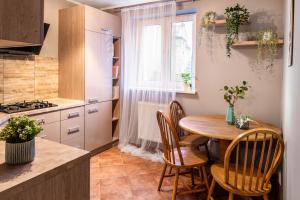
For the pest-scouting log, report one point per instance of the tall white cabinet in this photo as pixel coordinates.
(85, 67)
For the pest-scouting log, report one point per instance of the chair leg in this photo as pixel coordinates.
(266, 197)
(211, 189)
(230, 196)
(192, 177)
(170, 170)
(162, 177)
(175, 184)
(205, 177)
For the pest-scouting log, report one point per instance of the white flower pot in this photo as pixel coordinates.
(19, 153)
(187, 87)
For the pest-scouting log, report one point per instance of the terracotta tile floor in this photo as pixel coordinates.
(120, 176)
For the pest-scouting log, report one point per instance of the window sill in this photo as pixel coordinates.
(187, 92)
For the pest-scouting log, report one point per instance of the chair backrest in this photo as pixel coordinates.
(176, 113)
(169, 139)
(256, 154)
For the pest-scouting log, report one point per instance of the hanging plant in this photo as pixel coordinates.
(235, 17)
(267, 46)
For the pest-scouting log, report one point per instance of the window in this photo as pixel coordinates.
(182, 52)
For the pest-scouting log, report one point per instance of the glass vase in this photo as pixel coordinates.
(230, 118)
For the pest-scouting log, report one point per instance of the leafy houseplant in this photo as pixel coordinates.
(267, 46)
(209, 18)
(243, 122)
(235, 17)
(186, 77)
(19, 136)
(231, 95)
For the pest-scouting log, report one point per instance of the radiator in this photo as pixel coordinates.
(147, 123)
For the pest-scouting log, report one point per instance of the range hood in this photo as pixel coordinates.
(26, 50)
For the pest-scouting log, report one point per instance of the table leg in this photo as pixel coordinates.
(223, 145)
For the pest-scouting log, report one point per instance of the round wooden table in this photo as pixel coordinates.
(215, 126)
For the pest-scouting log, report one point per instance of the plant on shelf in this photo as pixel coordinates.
(267, 46)
(209, 18)
(231, 95)
(19, 136)
(235, 17)
(186, 78)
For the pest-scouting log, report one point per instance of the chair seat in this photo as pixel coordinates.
(193, 140)
(218, 173)
(191, 157)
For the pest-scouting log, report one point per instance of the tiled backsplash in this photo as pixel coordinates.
(28, 78)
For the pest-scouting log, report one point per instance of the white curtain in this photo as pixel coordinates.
(147, 84)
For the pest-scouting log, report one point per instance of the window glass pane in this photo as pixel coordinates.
(151, 52)
(182, 49)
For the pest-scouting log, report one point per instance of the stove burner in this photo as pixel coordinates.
(25, 106)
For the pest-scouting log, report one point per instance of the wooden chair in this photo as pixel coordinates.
(182, 159)
(192, 140)
(252, 167)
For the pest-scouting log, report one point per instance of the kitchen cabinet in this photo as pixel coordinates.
(72, 127)
(98, 70)
(98, 126)
(86, 54)
(21, 23)
(96, 20)
(86, 37)
(50, 123)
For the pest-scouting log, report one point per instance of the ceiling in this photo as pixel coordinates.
(111, 3)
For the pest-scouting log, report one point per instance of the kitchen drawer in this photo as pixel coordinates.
(72, 128)
(47, 117)
(51, 131)
(72, 113)
(77, 142)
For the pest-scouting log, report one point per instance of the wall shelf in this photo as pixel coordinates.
(251, 43)
(115, 119)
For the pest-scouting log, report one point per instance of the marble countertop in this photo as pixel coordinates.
(51, 158)
(61, 102)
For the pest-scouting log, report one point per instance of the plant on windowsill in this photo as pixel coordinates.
(231, 95)
(19, 136)
(267, 47)
(235, 17)
(186, 77)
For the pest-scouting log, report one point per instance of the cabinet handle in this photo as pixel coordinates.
(93, 100)
(93, 111)
(73, 115)
(73, 130)
(41, 121)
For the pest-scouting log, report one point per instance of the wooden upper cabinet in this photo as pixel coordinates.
(21, 22)
(85, 64)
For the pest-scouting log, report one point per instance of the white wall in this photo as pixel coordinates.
(291, 111)
(214, 69)
(50, 47)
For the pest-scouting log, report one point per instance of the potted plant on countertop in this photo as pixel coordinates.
(267, 46)
(235, 17)
(186, 77)
(19, 135)
(231, 95)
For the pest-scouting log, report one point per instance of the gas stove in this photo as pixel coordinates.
(25, 106)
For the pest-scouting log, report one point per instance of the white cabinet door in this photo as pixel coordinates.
(51, 132)
(98, 67)
(98, 125)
